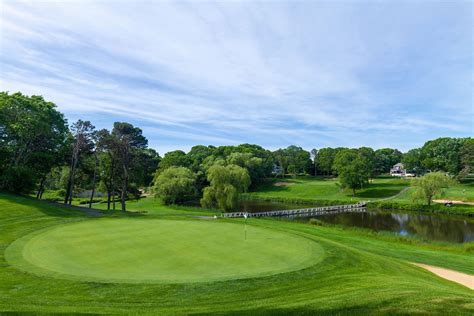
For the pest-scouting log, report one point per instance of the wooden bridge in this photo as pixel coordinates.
(333, 209)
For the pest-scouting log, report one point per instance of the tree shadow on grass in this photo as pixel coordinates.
(49, 208)
(377, 193)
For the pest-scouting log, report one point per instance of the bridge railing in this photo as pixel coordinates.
(315, 210)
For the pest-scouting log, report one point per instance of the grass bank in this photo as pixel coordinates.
(326, 189)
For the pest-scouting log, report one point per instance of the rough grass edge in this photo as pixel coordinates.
(434, 208)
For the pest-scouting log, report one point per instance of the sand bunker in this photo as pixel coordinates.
(283, 184)
(451, 275)
(454, 202)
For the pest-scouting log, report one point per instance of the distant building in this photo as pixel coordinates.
(277, 170)
(398, 170)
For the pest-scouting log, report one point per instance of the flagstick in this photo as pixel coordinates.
(245, 238)
(245, 226)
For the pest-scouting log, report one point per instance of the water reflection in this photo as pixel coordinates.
(428, 226)
(431, 226)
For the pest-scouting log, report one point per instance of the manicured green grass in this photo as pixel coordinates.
(460, 192)
(358, 273)
(161, 251)
(310, 188)
(463, 192)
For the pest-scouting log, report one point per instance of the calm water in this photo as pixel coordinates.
(428, 226)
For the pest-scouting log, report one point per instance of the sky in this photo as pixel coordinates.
(275, 73)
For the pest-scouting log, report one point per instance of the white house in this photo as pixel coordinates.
(398, 170)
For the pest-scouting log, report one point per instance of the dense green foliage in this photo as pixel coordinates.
(467, 159)
(175, 184)
(293, 160)
(226, 184)
(385, 158)
(353, 168)
(360, 273)
(412, 161)
(430, 185)
(33, 139)
(443, 154)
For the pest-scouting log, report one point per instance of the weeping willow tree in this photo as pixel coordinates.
(226, 184)
(431, 185)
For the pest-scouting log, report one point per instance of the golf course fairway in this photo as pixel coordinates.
(161, 251)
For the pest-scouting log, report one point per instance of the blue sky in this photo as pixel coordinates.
(310, 73)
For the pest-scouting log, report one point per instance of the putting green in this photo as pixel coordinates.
(161, 251)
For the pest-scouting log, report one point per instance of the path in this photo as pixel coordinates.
(393, 196)
(451, 275)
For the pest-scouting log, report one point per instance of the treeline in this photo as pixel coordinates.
(39, 151)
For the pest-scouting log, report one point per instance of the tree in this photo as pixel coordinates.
(176, 158)
(99, 146)
(128, 139)
(385, 158)
(197, 154)
(352, 169)
(33, 136)
(314, 155)
(144, 166)
(443, 154)
(226, 183)
(369, 155)
(108, 164)
(412, 161)
(254, 165)
(325, 161)
(430, 185)
(83, 132)
(175, 184)
(281, 160)
(467, 158)
(296, 157)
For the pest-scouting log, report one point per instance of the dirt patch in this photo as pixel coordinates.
(283, 184)
(451, 275)
(454, 202)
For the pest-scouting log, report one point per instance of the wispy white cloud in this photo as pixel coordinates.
(273, 73)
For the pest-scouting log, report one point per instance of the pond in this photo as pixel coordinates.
(450, 228)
